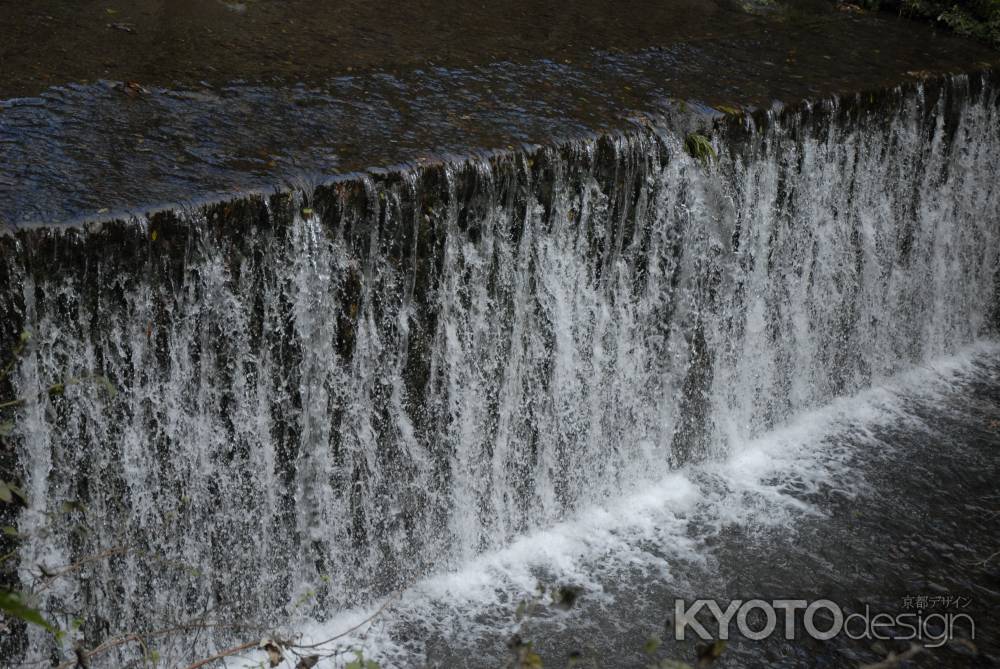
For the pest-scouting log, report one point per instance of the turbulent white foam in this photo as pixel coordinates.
(649, 530)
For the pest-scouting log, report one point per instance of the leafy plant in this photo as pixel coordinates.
(700, 148)
(973, 18)
(14, 604)
(523, 654)
(359, 662)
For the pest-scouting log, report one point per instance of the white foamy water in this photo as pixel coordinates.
(649, 531)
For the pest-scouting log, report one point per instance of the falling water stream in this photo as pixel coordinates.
(323, 398)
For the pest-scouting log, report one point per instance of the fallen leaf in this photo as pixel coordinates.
(133, 88)
(274, 656)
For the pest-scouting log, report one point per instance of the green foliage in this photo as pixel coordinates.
(700, 148)
(710, 652)
(13, 604)
(706, 654)
(973, 18)
(523, 654)
(359, 662)
(8, 491)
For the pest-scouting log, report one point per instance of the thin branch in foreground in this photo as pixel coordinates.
(85, 655)
(294, 646)
(364, 622)
(52, 576)
(141, 638)
(896, 660)
(224, 654)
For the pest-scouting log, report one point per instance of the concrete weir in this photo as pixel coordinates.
(323, 305)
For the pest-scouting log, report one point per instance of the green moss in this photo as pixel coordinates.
(700, 148)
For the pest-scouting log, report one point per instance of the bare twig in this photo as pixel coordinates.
(983, 562)
(293, 646)
(103, 648)
(116, 642)
(361, 624)
(894, 660)
(52, 576)
(226, 653)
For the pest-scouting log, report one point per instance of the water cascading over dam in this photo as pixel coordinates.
(341, 390)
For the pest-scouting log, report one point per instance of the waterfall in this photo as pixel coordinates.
(335, 392)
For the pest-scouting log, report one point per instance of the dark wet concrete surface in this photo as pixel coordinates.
(118, 107)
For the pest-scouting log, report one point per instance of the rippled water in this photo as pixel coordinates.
(84, 151)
